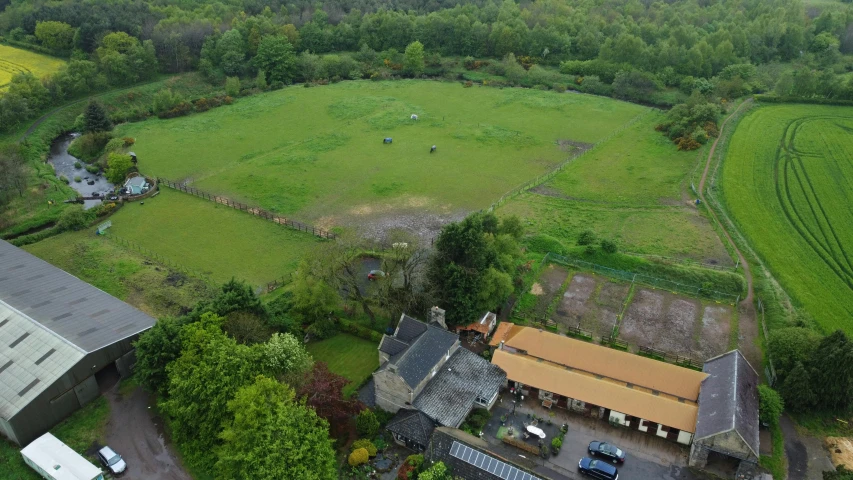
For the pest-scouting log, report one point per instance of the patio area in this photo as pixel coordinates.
(648, 456)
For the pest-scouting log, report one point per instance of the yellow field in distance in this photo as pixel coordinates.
(16, 60)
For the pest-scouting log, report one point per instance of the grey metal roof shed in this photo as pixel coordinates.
(56, 333)
(728, 406)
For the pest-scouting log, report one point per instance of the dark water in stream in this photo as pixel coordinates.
(63, 163)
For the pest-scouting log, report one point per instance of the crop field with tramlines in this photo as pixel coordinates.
(787, 182)
(15, 60)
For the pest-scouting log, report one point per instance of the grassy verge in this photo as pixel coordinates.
(84, 427)
(349, 356)
(12, 466)
(150, 287)
(776, 463)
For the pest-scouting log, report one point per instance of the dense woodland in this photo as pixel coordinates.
(656, 52)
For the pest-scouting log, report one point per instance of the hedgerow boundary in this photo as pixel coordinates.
(258, 212)
(632, 277)
(531, 184)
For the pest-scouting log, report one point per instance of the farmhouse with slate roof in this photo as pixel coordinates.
(422, 367)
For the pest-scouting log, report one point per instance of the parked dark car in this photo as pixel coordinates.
(597, 469)
(606, 451)
(112, 460)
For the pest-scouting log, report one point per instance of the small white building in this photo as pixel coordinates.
(55, 460)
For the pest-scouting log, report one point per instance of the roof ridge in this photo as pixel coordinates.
(43, 327)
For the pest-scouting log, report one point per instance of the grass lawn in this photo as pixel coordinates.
(317, 153)
(631, 189)
(346, 355)
(786, 183)
(17, 60)
(121, 272)
(212, 239)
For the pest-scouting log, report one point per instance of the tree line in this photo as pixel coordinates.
(639, 51)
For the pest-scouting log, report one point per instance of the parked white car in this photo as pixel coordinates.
(112, 460)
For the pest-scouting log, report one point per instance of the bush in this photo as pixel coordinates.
(232, 86)
(78, 165)
(323, 328)
(358, 457)
(416, 461)
(770, 405)
(608, 246)
(78, 179)
(556, 444)
(365, 444)
(93, 169)
(89, 146)
(359, 331)
(545, 243)
(104, 209)
(165, 100)
(74, 218)
(587, 237)
(64, 179)
(366, 423)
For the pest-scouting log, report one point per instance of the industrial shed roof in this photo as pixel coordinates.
(31, 359)
(81, 314)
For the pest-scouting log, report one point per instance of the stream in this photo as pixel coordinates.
(63, 164)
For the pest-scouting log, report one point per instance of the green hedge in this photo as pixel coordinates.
(359, 331)
(768, 98)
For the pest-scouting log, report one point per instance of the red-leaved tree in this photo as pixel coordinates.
(323, 391)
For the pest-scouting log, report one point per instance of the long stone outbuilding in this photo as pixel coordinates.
(60, 339)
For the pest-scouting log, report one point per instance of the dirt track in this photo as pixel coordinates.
(748, 325)
(137, 435)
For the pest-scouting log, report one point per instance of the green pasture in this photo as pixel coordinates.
(212, 239)
(121, 272)
(632, 189)
(787, 183)
(318, 153)
(348, 356)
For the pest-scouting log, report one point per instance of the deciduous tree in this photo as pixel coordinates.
(413, 62)
(270, 435)
(276, 58)
(119, 164)
(323, 391)
(55, 35)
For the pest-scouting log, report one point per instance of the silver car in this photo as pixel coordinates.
(112, 460)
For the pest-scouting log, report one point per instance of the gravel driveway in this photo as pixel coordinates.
(137, 435)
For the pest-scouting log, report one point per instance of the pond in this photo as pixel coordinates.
(63, 164)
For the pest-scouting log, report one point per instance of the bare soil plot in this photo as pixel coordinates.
(591, 303)
(676, 324)
(841, 450)
(716, 330)
(547, 287)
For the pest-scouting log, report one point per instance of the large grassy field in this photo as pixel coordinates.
(212, 239)
(787, 182)
(632, 189)
(317, 154)
(15, 60)
(346, 355)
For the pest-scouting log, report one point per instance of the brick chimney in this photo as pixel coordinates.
(436, 315)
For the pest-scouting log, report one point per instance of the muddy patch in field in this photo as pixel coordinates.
(591, 303)
(716, 331)
(377, 224)
(550, 283)
(676, 324)
(661, 320)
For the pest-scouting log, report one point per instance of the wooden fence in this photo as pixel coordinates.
(670, 357)
(258, 212)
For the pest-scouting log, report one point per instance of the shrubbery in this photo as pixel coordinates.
(74, 218)
(365, 444)
(366, 423)
(358, 457)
